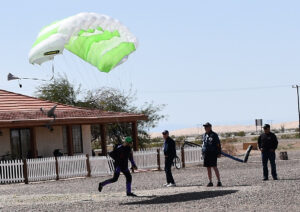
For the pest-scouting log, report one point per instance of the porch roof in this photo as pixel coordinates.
(17, 110)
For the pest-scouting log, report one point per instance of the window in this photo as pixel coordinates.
(77, 139)
(65, 140)
(20, 143)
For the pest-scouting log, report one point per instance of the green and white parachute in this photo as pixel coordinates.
(98, 39)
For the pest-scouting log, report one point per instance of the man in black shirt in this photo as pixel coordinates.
(267, 143)
(170, 154)
(211, 151)
(121, 154)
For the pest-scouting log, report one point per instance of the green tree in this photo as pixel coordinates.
(59, 90)
(109, 99)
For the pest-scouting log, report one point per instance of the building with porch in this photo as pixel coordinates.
(24, 132)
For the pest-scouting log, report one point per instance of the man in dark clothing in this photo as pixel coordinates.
(121, 154)
(170, 154)
(267, 143)
(211, 150)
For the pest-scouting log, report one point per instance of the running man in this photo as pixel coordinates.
(121, 154)
(211, 151)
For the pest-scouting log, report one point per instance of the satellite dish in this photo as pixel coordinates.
(50, 114)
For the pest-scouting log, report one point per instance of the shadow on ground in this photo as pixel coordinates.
(289, 179)
(183, 197)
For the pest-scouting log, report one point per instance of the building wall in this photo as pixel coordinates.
(48, 141)
(5, 141)
(86, 139)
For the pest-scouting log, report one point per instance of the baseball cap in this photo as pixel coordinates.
(128, 139)
(165, 132)
(207, 124)
(266, 126)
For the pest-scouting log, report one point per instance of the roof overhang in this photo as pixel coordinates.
(108, 119)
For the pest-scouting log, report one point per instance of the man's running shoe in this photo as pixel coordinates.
(219, 184)
(210, 184)
(171, 185)
(131, 195)
(275, 178)
(265, 179)
(165, 185)
(100, 187)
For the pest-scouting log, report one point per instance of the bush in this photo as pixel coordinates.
(229, 140)
(290, 136)
(241, 134)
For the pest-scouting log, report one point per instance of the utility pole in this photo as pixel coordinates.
(297, 86)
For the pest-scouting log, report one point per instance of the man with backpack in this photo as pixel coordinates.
(211, 151)
(121, 154)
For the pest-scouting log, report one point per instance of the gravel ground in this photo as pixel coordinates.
(243, 190)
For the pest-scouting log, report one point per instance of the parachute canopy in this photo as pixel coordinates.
(98, 39)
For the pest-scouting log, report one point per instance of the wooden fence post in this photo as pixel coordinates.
(88, 165)
(158, 159)
(182, 157)
(132, 169)
(56, 168)
(25, 171)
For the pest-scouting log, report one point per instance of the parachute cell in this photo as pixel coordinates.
(98, 39)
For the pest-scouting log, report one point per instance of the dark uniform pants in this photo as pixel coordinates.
(168, 166)
(116, 176)
(265, 157)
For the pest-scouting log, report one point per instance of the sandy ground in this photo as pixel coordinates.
(243, 190)
(224, 129)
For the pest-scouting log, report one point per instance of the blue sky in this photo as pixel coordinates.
(194, 56)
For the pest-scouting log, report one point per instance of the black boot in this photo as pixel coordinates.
(100, 187)
(131, 194)
(210, 184)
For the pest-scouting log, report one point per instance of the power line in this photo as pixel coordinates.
(218, 89)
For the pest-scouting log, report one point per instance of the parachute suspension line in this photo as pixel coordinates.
(52, 70)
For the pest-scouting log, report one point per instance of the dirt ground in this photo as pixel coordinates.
(243, 190)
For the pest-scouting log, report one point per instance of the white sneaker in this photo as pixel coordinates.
(166, 184)
(171, 185)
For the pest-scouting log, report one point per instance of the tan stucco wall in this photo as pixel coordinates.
(48, 141)
(86, 139)
(4, 141)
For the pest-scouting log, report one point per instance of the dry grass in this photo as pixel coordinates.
(228, 146)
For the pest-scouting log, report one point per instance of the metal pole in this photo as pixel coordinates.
(298, 106)
(297, 86)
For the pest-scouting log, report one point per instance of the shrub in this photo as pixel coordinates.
(241, 134)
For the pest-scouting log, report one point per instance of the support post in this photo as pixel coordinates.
(25, 172)
(33, 146)
(158, 159)
(56, 168)
(182, 157)
(134, 135)
(297, 86)
(103, 139)
(70, 141)
(88, 165)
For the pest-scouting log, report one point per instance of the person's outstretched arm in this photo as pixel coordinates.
(132, 161)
